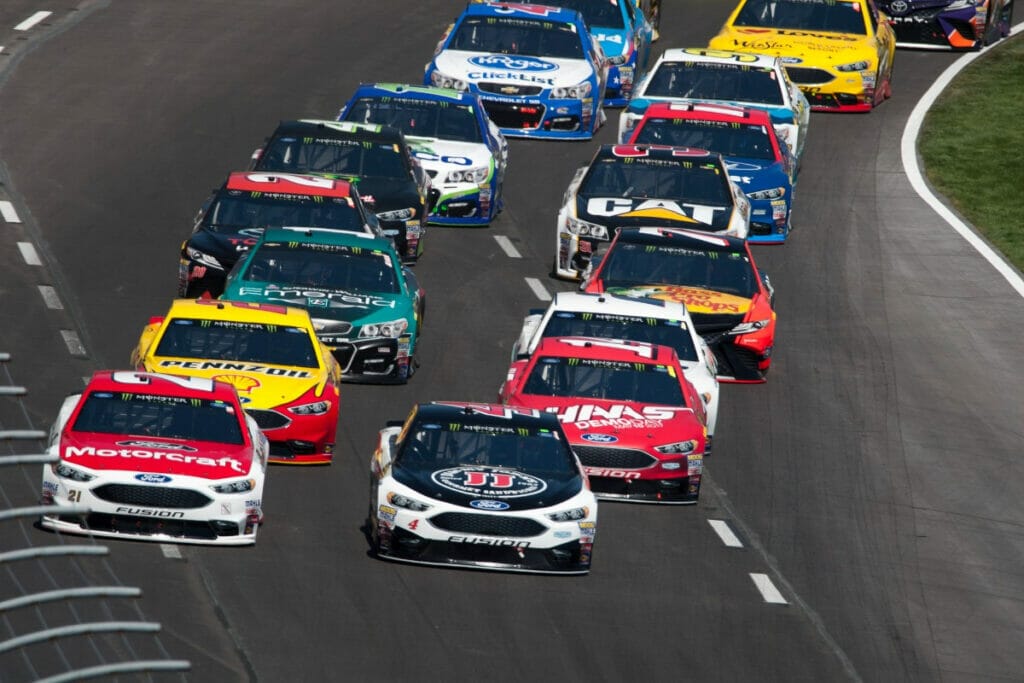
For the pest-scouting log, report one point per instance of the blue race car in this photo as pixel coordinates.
(625, 35)
(449, 133)
(759, 161)
(538, 69)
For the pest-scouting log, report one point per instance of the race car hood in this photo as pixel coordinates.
(454, 485)
(387, 194)
(545, 72)
(756, 174)
(156, 456)
(638, 105)
(334, 304)
(630, 211)
(817, 48)
(624, 424)
(226, 247)
(697, 301)
(259, 386)
(614, 42)
(443, 156)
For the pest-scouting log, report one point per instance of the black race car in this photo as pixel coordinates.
(375, 158)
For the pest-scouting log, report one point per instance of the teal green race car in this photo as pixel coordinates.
(365, 305)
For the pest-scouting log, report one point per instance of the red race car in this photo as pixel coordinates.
(730, 301)
(636, 423)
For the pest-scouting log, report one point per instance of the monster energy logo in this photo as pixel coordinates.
(317, 199)
(454, 426)
(734, 125)
(271, 328)
(126, 397)
(574, 361)
(627, 160)
(195, 402)
(293, 245)
(255, 195)
(652, 321)
(650, 249)
(587, 316)
(522, 431)
(357, 250)
(205, 323)
(367, 144)
(687, 164)
(638, 366)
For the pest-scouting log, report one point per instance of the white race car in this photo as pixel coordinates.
(483, 486)
(158, 458)
(611, 316)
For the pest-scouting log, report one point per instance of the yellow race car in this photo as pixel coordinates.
(840, 52)
(287, 381)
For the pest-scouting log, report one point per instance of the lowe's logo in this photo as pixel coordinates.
(512, 63)
(489, 504)
(153, 478)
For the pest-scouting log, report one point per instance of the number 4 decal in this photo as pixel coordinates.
(413, 524)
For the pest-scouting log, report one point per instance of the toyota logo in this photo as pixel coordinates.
(898, 6)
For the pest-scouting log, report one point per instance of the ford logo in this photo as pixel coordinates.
(512, 63)
(153, 478)
(489, 504)
(600, 438)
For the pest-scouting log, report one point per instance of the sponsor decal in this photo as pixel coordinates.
(664, 209)
(562, 534)
(696, 300)
(239, 382)
(487, 504)
(487, 481)
(505, 76)
(231, 365)
(599, 438)
(143, 512)
(584, 415)
(324, 299)
(157, 444)
(481, 540)
(512, 63)
(150, 478)
(611, 474)
(387, 513)
(83, 451)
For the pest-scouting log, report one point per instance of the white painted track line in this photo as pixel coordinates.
(51, 298)
(725, 533)
(74, 344)
(507, 247)
(32, 21)
(170, 551)
(768, 590)
(538, 289)
(8, 212)
(29, 253)
(908, 150)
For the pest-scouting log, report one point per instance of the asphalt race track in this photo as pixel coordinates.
(874, 480)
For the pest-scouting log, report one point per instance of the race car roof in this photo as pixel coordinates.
(325, 236)
(616, 304)
(340, 130)
(486, 414)
(523, 11)
(661, 152)
(614, 350)
(418, 92)
(679, 237)
(238, 311)
(703, 54)
(288, 183)
(708, 112)
(156, 384)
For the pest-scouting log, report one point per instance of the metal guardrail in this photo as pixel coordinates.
(25, 616)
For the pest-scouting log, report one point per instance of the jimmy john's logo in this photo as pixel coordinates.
(237, 367)
(489, 481)
(146, 454)
(656, 209)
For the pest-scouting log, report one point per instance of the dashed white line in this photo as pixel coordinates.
(73, 343)
(507, 246)
(51, 297)
(725, 533)
(32, 21)
(538, 289)
(8, 212)
(768, 590)
(1, 48)
(170, 551)
(29, 253)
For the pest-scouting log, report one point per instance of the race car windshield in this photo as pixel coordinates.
(603, 13)
(224, 340)
(333, 156)
(728, 139)
(435, 446)
(805, 15)
(673, 333)
(324, 267)
(709, 81)
(419, 118)
(233, 211)
(514, 36)
(609, 380)
(630, 264)
(702, 183)
(167, 417)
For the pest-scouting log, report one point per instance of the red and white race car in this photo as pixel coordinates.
(632, 418)
(158, 458)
